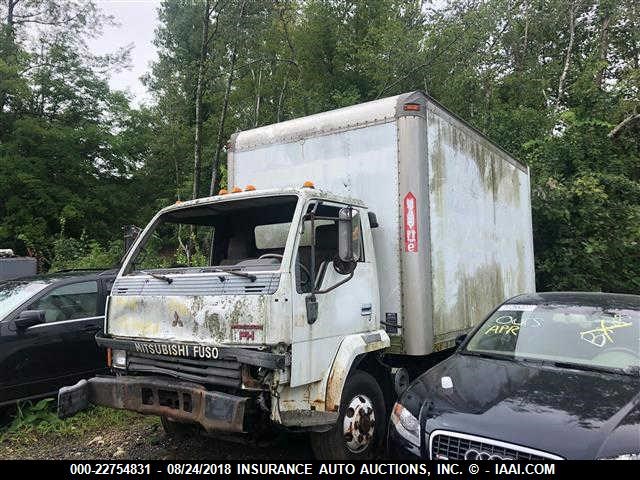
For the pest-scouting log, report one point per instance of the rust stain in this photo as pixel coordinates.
(212, 324)
(176, 320)
(207, 318)
(477, 295)
(334, 388)
(288, 405)
(306, 396)
(249, 382)
(374, 346)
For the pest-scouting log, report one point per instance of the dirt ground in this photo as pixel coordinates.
(141, 438)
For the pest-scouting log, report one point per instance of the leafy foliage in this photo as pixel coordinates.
(71, 253)
(41, 418)
(554, 82)
(39, 414)
(67, 143)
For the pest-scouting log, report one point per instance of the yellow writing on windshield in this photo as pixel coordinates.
(602, 335)
(502, 330)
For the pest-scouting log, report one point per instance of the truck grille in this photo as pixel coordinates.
(446, 445)
(214, 372)
(197, 284)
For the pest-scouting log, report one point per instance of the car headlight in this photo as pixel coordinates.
(407, 426)
(119, 359)
(624, 456)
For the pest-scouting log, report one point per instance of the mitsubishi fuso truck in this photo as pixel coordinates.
(349, 248)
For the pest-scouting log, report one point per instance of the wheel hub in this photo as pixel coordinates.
(359, 423)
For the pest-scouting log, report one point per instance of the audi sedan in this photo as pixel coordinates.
(545, 376)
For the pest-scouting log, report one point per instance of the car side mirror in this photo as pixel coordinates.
(460, 339)
(29, 318)
(349, 235)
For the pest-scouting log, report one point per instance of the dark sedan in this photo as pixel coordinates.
(47, 329)
(545, 376)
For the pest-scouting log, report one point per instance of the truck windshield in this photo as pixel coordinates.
(585, 336)
(243, 234)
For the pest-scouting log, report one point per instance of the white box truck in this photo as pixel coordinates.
(352, 246)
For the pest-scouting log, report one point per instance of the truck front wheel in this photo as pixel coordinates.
(359, 431)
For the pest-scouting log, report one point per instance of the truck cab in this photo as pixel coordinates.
(245, 309)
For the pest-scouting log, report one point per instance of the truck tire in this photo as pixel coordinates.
(359, 431)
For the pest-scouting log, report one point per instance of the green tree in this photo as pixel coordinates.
(554, 82)
(67, 155)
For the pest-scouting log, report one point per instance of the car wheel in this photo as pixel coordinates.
(359, 431)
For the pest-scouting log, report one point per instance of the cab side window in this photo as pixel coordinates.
(326, 248)
(69, 302)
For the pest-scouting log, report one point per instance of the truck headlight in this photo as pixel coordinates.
(407, 426)
(624, 456)
(119, 359)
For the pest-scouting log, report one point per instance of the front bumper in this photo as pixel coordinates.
(180, 401)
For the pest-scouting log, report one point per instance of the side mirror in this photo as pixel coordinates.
(29, 318)
(312, 309)
(349, 235)
(460, 339)
(373, 220)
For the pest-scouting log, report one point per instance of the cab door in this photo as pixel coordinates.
(344, 310)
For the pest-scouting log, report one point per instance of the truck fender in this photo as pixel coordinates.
(350, 348)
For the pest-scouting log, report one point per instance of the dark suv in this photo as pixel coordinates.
(47, 329)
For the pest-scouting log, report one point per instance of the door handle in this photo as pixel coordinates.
(91, 328)
(365, 310)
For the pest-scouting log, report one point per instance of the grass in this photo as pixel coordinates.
(36, 420)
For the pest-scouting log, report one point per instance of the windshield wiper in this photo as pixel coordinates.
(158, 276)
(488, 355)
(589, 368)
(233, 272)
(632, 370)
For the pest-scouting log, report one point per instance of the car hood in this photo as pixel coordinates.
(570, 413)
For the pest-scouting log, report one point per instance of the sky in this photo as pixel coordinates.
(137, 20)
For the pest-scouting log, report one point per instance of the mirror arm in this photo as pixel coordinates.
(313, 251)
(333, 287)
(312, 217)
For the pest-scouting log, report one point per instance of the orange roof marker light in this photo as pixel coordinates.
(249, 188)
(223, 191)
(178, 202)
(411, 107)
(308, 184)
(236, 190)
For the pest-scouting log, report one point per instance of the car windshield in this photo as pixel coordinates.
(586, 336)
(15, 293)
(242, 234)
